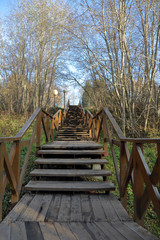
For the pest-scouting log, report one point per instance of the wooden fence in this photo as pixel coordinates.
(133, 165)
(10, 162)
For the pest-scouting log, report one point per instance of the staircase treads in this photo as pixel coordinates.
(72, 152)
(69, 173)
(72, 145)
(68, 186)
(66, 161)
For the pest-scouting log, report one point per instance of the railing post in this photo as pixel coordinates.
(138, 188)
(1, 180)
(52, 129)
(123, 170)
(38, 132)
(97, 130)
(16, 171)
(105, 134)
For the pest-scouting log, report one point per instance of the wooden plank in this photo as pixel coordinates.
(23, 130)
(48, 231)
(109, 211)
(142, 232)
(18, 231)
(33, 231)
(19, 208)
(87, 212)
(65, 209)
(53, 210)
(69, 172)
(64, 231)
(68, 186)
(72, 152)
(80, 232)
(95, 231)
(119, 209)
(47, 198)
(98, 211)
(125, 231)
(114, 123)
(110, 232)
(25, 163)
(34, 208)
(1, 179)
(67, 161)
(5, 229)
(76, 210)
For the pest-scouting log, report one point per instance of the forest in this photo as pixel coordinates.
(110, 49)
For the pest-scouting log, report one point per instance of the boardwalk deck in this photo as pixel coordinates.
(70, 216)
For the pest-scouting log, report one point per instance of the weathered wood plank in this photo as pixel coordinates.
(65, 209)
(68, 186)
(72, 152)
(18, 231)
(5, 231)
(33, 231)
(87, 212)
(109, 211)
(64, 231)
(98, 211)
(69, 172)
(76, 210)
(67, 161)
(79, 231)
(19, 209)
(53, 210)
(33, 209)
(142, 232)
(118, 208)
(110, 232)
(125, 231)
(47, 198)
(48, 231)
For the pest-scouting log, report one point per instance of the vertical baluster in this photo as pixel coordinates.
(97, 130)
(16, 170)
(138, 187)
(38, 132)
(1, 179)
(105, 135)
(123, 170)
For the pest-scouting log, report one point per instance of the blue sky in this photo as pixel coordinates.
(5, 7)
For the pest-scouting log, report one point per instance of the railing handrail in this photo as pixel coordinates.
(118, 130)
(10, 162)
(26, 126)
(133, 166)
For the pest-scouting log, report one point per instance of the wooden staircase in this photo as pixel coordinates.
(73, 128)
(71, 165)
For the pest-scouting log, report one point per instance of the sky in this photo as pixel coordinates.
(5, 7)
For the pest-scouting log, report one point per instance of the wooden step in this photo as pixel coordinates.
(69, 186)
(77, 145)
(72, 152)
(72, 134)
(69, 173)
(72, 161)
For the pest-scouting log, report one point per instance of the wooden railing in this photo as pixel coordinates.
(10, 162)
(132, 167)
